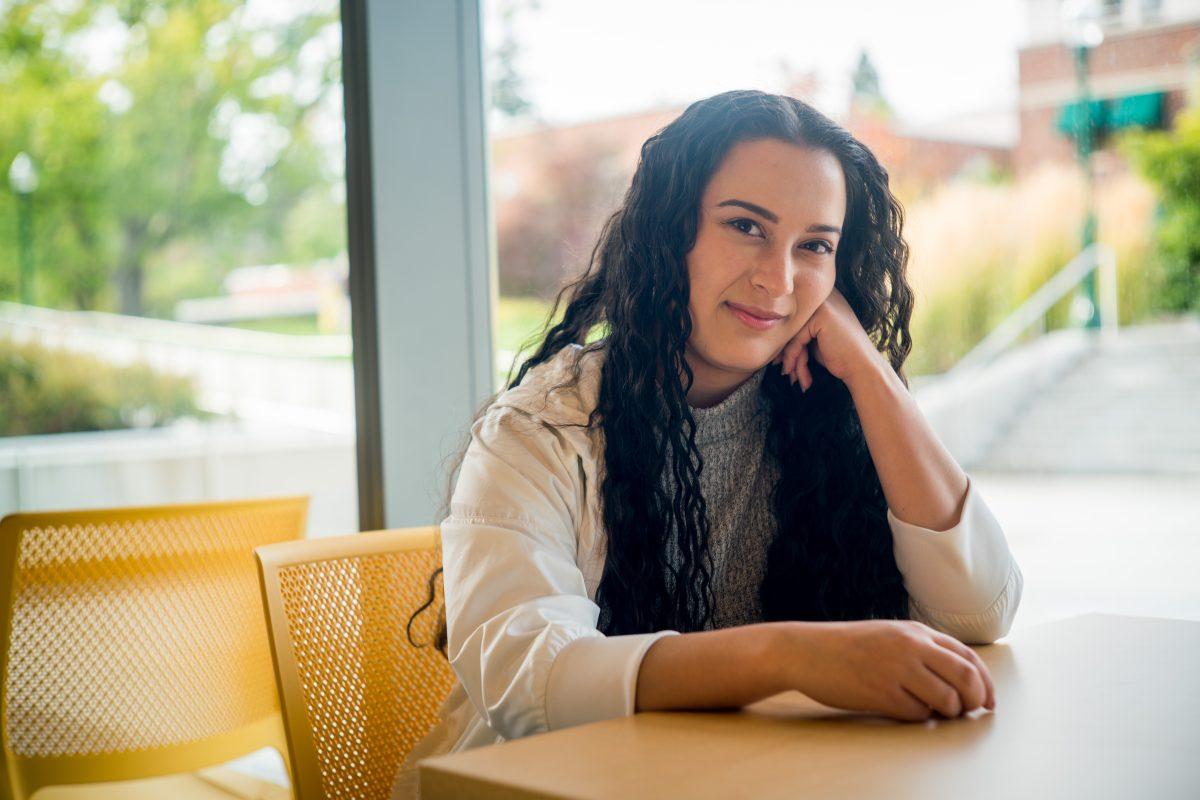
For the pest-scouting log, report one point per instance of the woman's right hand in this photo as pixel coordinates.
(900, 668)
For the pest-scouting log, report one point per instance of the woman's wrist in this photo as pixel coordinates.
(793, 652)
(725, 668)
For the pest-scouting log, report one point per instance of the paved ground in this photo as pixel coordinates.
(1122, 544)
(1132, 405)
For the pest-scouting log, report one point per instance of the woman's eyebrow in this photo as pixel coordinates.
(757, 209)
(770, 215)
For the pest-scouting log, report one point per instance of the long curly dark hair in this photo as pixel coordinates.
(831, 557)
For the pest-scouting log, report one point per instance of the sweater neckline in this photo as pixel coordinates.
(730, 416)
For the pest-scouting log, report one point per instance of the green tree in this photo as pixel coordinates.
(507, 86)
(1171, 160)
(866, 93)
(183, 124)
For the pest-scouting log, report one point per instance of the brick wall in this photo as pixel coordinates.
(1159, 59)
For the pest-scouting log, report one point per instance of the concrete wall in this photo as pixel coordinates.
(184, 463)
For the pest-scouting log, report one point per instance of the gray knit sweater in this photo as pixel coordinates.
(736, 481)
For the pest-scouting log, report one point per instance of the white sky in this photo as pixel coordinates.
(936, 58)
(583, 59)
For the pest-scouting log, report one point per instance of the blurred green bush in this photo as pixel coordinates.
(57, 391)
(1171, 161)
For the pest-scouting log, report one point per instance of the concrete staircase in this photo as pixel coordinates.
(1132, 405)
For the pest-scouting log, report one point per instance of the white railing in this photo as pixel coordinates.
(975, 401)
(1095, 258)
(191, 335)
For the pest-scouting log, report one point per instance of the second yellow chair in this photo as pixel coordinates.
(356, 693)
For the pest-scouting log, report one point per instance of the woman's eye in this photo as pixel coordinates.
(738, 223)
(747, 227)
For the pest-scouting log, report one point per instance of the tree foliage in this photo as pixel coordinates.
(507, 86)
(1171, 160)
(866, 93)
(169, 136)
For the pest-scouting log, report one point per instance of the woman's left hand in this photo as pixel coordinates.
(838, 343)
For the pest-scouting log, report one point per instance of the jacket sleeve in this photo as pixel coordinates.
(522, 635)
(963, 581)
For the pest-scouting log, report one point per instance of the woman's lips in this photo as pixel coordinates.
(751, 321)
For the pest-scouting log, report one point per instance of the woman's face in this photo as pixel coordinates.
(763, 261)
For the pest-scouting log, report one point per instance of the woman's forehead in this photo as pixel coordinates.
(793, 182)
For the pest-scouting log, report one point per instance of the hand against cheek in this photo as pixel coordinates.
(835, 338)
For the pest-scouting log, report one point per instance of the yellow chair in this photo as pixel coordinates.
(132, 642)
(356, 693)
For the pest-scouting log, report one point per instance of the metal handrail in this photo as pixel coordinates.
(1003, 336)
(94, 325)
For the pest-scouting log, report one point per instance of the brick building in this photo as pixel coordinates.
(921, 158)
(1144, 71)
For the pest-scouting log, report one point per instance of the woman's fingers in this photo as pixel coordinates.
(950, 643)
(961, 674)
(794, 361)
(791, 353)
(800, 370)
(908, 706)
(932, 690)
(795, 352)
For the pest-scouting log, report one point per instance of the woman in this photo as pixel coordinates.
(709, 484)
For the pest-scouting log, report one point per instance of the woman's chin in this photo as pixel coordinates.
(747, 363)
(733, 357)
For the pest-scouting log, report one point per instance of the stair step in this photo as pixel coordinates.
(1132, 405)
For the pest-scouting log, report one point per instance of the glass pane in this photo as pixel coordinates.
(174, 323)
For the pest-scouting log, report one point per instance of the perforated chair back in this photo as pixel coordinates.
(356, 692)
(132, 642)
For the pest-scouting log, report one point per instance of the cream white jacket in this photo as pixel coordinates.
(523, 552)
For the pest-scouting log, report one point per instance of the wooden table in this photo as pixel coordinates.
(1095, 706)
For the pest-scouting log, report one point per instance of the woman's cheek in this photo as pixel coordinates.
(814, 291)
(792, 330)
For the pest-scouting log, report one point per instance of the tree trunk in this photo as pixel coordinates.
(129, 270)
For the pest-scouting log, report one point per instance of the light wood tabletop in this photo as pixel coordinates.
(1095, 706)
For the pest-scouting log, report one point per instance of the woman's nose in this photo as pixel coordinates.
(775, 275)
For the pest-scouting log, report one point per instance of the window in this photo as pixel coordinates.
(175, 324)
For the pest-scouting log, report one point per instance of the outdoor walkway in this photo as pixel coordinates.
(1097, 482)
(1132, 405)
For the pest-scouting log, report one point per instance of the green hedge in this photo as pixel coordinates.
(1171, 160)
(58, 391)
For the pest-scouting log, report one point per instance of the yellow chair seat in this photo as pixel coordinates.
(207, 784)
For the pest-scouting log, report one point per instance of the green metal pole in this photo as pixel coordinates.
(1085, 130)
(25, 247)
